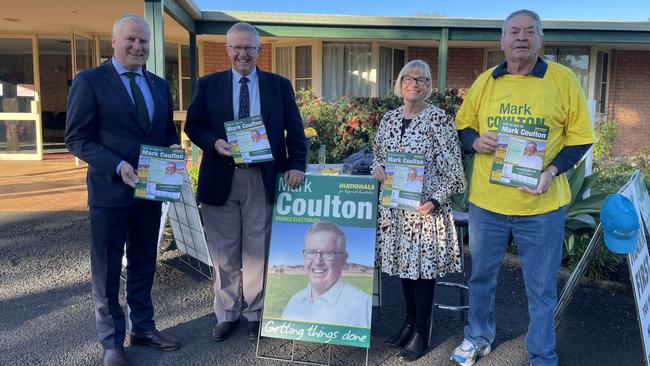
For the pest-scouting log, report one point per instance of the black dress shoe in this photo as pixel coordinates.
(415, 347)
(400, 338)
(114, 357)
(222, 330)
(154, 339)
(253, 329)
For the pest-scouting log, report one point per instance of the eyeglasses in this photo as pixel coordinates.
(326, 255)
(408, 80)
(247, 49)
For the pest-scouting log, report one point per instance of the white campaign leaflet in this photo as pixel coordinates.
(160, 173)
(519, 157)
(403, 187)
(248, 140)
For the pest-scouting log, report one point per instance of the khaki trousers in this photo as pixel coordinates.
(238, 233)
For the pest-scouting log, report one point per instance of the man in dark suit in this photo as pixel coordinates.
(236, 199)
(112, 110)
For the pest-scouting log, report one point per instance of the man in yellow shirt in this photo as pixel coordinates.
(527, 90)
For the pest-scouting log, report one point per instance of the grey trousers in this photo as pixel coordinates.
(238, 233)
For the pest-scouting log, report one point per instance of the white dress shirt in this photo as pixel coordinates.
(342, 304)
(532, 161)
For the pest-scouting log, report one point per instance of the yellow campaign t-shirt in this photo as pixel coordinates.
(555, 100)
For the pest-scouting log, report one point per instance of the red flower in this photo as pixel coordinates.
(354, 122)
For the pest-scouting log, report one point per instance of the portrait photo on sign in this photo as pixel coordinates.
(320, 273)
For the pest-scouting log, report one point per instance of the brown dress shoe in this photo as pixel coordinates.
(154, 339)
(223, 330)
(114, 357)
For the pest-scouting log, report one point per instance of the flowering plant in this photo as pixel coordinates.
(310, 132)
(350, 123)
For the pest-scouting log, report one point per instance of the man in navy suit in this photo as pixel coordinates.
(112, 110)
(236, 199)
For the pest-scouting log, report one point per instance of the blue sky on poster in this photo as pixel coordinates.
(637, 10)
(287, 244)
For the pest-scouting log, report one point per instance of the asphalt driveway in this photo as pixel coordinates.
(46, 312)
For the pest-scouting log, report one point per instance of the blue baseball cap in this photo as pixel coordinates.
(620, 224)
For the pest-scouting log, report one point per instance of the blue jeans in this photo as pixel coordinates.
(539, 244)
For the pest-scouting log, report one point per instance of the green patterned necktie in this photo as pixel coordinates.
(140, 104)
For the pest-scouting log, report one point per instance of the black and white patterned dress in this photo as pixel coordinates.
(410, 245)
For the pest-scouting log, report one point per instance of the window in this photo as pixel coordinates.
(178, 76)
(84, 52)
(185, 77)
(298, 58)
(494, 58)
(346, 69)
(602, 76)
(171, 72)
(391, 61)
(575, 58)
(16, 94)
(105, 49)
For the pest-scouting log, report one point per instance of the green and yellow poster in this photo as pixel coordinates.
(321, 260)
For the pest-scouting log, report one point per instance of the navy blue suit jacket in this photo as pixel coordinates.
(212, 106)
(102, 129)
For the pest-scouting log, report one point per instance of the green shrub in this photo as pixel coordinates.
(358, 122)
(350, 123)
(609, 175)
(320, 115)
(605, 137)
(193, 174)
(603, 264)
(613, 173)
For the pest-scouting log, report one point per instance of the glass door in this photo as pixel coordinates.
(55, 70)
(20, 137)
(84, 52)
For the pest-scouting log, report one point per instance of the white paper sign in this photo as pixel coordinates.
(25, 90)
(639, 265)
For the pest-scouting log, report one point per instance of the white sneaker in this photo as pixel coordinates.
(466, 354)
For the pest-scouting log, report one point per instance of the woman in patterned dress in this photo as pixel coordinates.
(418, 246)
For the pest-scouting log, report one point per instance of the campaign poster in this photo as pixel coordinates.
(319, 278)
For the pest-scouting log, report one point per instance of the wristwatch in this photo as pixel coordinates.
(552, 172)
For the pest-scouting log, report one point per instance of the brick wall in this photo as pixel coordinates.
(629, 100)
(463, 65)
(215, 57)
(55, 73)
(429, 55)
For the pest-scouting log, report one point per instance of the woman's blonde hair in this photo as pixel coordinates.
(417, 67)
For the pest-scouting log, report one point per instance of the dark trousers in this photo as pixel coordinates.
(110, 228)
(418, 295)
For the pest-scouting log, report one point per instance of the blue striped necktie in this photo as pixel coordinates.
(244, 99)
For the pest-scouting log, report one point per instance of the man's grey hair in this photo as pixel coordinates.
(129, 18)
(326, 226)
(243, 27)
(528, 13)
(417, 67)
